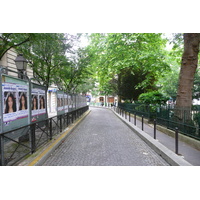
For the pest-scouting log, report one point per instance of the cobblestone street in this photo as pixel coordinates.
(102, 139)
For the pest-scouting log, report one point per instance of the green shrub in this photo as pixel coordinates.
(154, 97)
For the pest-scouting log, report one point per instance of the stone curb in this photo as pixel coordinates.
(168, 155)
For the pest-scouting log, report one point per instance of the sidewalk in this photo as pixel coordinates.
(189, 153)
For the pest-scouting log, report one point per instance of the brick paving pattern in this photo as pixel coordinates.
(102, 139)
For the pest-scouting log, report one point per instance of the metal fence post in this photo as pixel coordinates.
(33, 145)
(50, 129)
(72, 117)
(176, 140)
(2, 163)
(67, 119)
(60, 123)
(154, 129)
(142, 122)
(135, 119)
(129, 116)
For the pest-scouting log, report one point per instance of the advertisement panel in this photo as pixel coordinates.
(14, 103)
(60, 102)
(66, 103)
(38, 103)
(70, 103)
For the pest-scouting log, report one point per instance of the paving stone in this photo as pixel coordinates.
(102, 139)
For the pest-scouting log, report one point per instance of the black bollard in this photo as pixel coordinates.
(154, 128)
(176, 140)
(142, 122)
(135, 119)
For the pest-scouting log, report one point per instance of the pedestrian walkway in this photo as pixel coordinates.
(189, 153)
(102, 139)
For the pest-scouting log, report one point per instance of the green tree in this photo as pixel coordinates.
(77, 74)
(186, 77)
(144, 52)
(46, 56)
(128, 82)
(13, 40)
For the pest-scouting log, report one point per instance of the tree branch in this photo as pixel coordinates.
(12, 46)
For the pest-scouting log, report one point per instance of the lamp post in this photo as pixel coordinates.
(21, 64)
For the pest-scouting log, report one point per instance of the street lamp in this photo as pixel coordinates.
(21, 64)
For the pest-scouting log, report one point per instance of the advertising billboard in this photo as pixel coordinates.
(66, 108)
(38, 103)
(60, 102)
(15, 105)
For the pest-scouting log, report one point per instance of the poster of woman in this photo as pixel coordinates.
(22, 105)
(34, 102)
(10, 102)
(66, 103)
(38, 103)
(22, 101)
(60, 105)
(9, 106)
(15, 103)
(42, 109)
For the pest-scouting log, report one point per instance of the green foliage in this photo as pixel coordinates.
(168, 83)
(55, 58)
(46, 55)
(196, 88)
(153, 97)
(77, 77)
(113, 52)
(13, 40)
(128, 80)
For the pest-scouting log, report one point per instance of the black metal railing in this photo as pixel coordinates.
(19, 143)
(165, 116)
(125, 113)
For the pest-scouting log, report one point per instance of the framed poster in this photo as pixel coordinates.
(60, 102)
(15, 105)
(38, 103)
(66, 103)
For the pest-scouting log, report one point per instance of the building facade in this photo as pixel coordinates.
(8, 62)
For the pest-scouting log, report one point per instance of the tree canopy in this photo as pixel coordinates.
(142, 53)
(123, 64)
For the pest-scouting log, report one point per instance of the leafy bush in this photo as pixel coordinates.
(154, 97)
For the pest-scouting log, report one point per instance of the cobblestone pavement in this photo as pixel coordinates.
(102, 139)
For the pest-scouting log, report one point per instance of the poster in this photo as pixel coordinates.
(10, 102)
(22, 107)
(15, 105)
(15, 102)
(65, 103)
(34, 102)
(38, 103)
(60, 105)
(70, 102)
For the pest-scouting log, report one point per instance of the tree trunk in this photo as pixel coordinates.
(186, 76)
